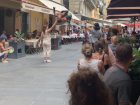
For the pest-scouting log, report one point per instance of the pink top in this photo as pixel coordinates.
(111, 56)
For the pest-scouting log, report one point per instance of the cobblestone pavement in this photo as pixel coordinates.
(30, 81)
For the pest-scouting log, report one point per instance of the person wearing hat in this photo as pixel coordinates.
(95, 33)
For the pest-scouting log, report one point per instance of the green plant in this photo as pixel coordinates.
(126, 39)
(18, 37)
(134, 67)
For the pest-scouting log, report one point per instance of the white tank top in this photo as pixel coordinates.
(93, 65)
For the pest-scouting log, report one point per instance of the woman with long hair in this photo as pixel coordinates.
(46, 41)
(99, 54)
(88, 62)
(87, 88)
(107, 50)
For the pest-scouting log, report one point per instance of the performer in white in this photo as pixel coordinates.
(46, 41)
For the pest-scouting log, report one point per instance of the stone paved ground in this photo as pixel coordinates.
(30, 81)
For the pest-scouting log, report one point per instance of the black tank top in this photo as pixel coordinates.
(106, 66)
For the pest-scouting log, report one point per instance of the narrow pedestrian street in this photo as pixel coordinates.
(30, 81)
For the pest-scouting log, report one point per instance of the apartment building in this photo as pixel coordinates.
(81, 7)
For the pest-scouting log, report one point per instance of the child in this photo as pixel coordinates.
(114, 43)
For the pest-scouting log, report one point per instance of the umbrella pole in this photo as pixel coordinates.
(134, 23)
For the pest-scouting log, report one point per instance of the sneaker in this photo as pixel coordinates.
(45, 61)
(49, 61)
(4, 61)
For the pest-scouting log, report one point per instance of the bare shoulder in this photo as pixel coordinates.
(1, 44)
(100, 62)
(106, 56)
(79, 61)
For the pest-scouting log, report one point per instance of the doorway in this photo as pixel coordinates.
(24, 27)
(1, 19)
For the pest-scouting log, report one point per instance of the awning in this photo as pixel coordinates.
(124, 3)
(83, 24)
(58, 7)
(66, 23)
(95, 20)
(32, 7)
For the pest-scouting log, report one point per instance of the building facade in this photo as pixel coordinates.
(100, 12)
(25, 15)
(81, 7)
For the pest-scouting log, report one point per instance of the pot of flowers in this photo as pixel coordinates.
(134, 73)
(18, 44)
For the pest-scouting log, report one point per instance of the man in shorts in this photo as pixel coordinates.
(117, 78)
(3, 51)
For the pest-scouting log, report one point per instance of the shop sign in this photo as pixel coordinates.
(36, 8)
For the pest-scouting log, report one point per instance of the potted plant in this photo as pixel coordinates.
(18, 44)
(134, 73)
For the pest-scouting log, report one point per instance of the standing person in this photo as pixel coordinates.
(46, 41)
(3, 51)
(114, 43)
(95, 32)
(116, 77)
(88, 62)
(108, 51)
(114, 32)
(86, 36)
(100, 55)
(87, 88)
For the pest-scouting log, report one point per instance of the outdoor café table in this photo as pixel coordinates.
(31, 43)
(65, 39)
(76, 35)
(73, 35)
(82, 35)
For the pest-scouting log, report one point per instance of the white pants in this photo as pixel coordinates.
(1, 54)
(47, 47)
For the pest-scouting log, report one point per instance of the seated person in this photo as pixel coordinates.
(3, 51)
(17, 31)
(34, 35)
(114, 43)
(4, 34)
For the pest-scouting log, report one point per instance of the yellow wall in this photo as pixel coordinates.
(43, 18)
(95, 13)
(35, 15)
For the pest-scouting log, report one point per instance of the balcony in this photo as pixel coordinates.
(90, 4)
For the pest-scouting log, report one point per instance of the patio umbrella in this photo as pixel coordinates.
(123, 9)
(124, 4)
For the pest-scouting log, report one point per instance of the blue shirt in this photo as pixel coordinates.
(3, 36)
(113, 48)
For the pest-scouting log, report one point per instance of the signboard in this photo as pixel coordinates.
(37, 23)
(36, 8)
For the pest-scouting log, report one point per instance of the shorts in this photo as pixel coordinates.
(1, 54)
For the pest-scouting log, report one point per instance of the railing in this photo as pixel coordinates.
(90, 4)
